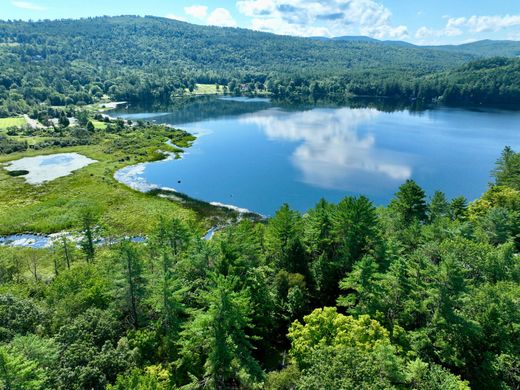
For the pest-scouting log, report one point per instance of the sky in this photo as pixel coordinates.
(416, 21)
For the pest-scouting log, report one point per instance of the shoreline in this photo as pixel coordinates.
(131, 177)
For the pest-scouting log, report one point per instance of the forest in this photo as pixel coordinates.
(421, 294)
(150, 59)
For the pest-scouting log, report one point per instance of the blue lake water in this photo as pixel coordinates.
(255, 155)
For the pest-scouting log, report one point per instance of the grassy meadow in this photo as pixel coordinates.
(56, 205)
(12, 122)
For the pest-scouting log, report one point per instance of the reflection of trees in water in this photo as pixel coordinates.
(196, 109)
(380, 104)
(201, 108)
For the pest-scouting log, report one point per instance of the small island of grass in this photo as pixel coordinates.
(16, 173)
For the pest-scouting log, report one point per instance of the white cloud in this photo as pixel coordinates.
(455, 22)
(221, 17)
(514, 36)
(197, 11)
(176, 17)
(279, 27)
(448, 31)
(331, 151)
(218, 17)
(28, 6)
(325, 17)
(486, 23)
(456, 26)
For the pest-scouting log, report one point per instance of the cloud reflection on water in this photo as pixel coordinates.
(332, 154)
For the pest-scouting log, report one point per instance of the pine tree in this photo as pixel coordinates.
(409, 203)
(458, 208)
(87, 243)
(282, 240)
(439, 206)
(507, 169)
(214, 346)
(135, 282)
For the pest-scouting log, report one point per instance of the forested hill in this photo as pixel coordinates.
(486, 48)
(136, 41)
(483, 48)
(133, 58)
(493, 80)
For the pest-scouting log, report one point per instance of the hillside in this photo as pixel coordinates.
(486, 48)
(133, 58)
(483, 48)
(135, 41)
(493, 80)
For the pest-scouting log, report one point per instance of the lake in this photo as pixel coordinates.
(256, 155)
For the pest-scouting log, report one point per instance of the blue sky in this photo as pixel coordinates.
(419, 21)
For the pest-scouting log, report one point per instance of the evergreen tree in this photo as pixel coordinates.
(507, 169)
(134, 280)
(87, 243)
(439, 206)
(90, 127)
(215, 349)
(409, 203)
(458, 208)
(282, 240)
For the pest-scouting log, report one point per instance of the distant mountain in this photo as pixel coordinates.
(348, 38)
(486, 48)
(362, 38)
(400, 43)
(358, 38)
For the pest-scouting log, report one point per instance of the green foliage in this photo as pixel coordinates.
(151, 378)
(215, 349)
(18, 316)
(409, 204)
(82, 61)
(350, 368)
(438, 207)
(282, 240)
(74, 291)
(285, 379)
(428, 305)
(334, 351)
(507, 170)
(87, 244)
(422, 376)
(458, 208)
(355, 231)
(327, 328)
(18, 373)
(90, 352)
(132, 283)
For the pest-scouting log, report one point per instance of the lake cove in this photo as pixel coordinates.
(255, 155)
(41, 169)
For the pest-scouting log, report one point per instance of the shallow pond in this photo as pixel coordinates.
(40, 169)
(27, 241)
(37, 241)
(255, 155)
